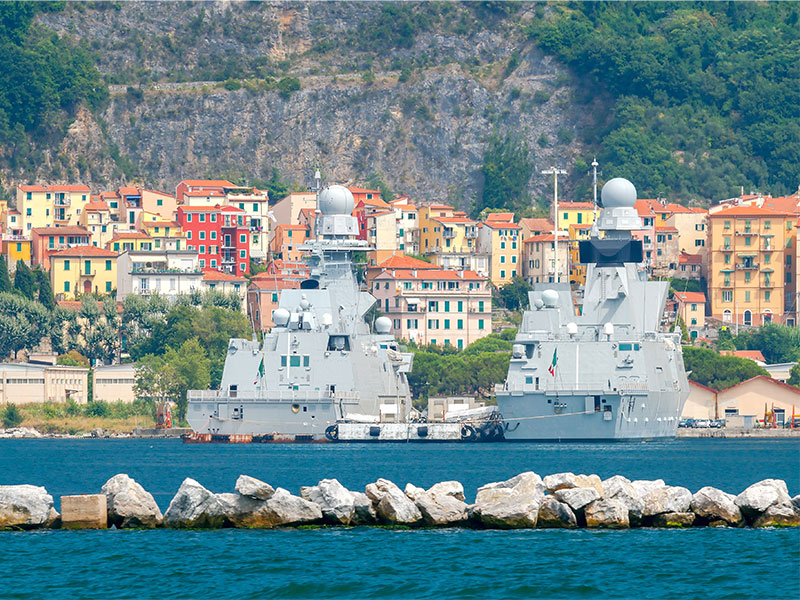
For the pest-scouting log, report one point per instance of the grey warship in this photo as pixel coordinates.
(320, 366)
(610, 372)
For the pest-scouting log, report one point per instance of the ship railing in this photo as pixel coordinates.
(277, 396)
(621, 387)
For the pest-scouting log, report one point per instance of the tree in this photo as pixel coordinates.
(155, 380)
(12, 416)
(23, 281)
(794, 376)
(5, 279)
(514, 294)
(717, 371)
(46, 298)
(192, 369)
(778, 343)
(506, 170)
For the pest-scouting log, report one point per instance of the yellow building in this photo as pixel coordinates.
(166, 234)
(136, 241)
(48, 205)
(501, 239)
(691, 307)
(83, 270)
(576, 233)
(442, 229)
(573, 213)
(96, 218)
(746, 271)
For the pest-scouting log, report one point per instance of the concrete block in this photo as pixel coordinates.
(88, 511)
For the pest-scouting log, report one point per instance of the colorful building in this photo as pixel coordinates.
(47, 240)
(83, 270)
(127, 241)
(691, 307)
(263, 297)
(443, 230)
(166, 234)
(220, 235)
(406, 226)
(48, 205)
(539, 258)
(747, 264)
(256, 204)
(96, 219)
(499, 237)
(196, 187)
(432, 305)
(286, 241)
(169, 273)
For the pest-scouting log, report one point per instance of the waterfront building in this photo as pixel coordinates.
(665, 258)
(286, 241)
(752, 398)
(165, 234)
(47, 240)
(263, 297)
(499, 237)
(747, 274)
(83, 270)
(114, 383)
(123, 241)
(690, 266)
(96, 219)
(530, 226)
(226, 283)
(287, 210)
(430, 305)
(691, 307)
(169, 273)
(256, 204)
(444, 230)
(43, 206)
(539, 258)
(220, 235)
(28, 383)
(219, 187)
(407, 225)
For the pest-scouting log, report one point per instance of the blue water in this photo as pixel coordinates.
(377, 563)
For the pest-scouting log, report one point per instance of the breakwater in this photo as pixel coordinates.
(562, 500)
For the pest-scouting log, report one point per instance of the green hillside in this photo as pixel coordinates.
(705, 94)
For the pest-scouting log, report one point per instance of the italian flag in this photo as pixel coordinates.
(552, 368)
(260, 370)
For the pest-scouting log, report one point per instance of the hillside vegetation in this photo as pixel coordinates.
(463, 103)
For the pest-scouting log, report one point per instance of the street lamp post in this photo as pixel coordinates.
(555, 172)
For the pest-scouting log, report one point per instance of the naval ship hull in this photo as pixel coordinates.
(589, 417)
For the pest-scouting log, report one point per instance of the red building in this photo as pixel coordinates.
(219, 234)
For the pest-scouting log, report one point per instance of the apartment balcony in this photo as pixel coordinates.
(11, 237)
(471, 234)
(726, 249)
(62, 202)
(88, 274)
(747, 266)
(449, 234)
(158, 270)
(746, 233)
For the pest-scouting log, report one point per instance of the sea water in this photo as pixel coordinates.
(378, 563)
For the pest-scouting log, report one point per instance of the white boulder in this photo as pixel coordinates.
(334, 500)
(712, 504)
(757, 498)
(565, 481)
(194, 507)
(666, 499)
(25, 507)
(129, 504)
(555, 515)
(607, 513)
(577, 498)
(255, 488)
(391, 504)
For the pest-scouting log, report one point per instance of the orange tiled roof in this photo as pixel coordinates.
(130, 235)
(666, 228)
(747, 211)
(358, 190)
(690, 259)
(220, 276)
(428, 274)
(576, 206)
(754, 355)
(543, 237)
(501, 225)
(129, 191)
(697, 297)
(85, 251)
(54, 188)
(204, 193)
(96, 205)
(210, 183)
(503, 217)
(70, 230)
(769, 380)
(401, 261)
(465, 220)
(537, 224)
(789, 204)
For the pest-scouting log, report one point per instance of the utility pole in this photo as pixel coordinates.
(555, 172)
(594, 184)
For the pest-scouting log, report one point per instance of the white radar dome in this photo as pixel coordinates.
(280, 316)
(383, 325)
(618, 192)
(550, 298)
(336, 200)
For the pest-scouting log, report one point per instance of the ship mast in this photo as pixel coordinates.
(555, 172)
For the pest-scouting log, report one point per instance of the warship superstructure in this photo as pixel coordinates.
(605, 370)
(320, 366)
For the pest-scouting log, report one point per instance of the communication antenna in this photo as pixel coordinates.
(555, 172)
(594, 184)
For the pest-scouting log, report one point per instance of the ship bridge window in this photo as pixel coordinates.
(628, 347)
(529, 351)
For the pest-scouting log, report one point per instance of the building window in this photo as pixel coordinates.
(460, 306)
(66, 265)
(747, 296)
(447, 306)
(108, 286)
(213, 235)
(727, 225)
(213, 263)
(480, 306)
(66, 286)
(202, 217)
(694, 307)
(502, 258)
(188, 217)
(767, 295)
(480, 324)
(242, 253)
(202, 235)
(727, 259)
(242, 267)
(502, 245)
(108, 265)
(202, 250)
(460, 324)
(502, 274)
(767, 258)
(242, 238)
(447, 323)
(202, 263)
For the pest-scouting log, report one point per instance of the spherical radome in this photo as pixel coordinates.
(383, 325)
(618, 192)
(280, 316)
(336, 200)
(550, 298)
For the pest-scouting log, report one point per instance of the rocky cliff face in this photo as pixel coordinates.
(426, 134)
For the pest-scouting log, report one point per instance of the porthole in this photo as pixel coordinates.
(295, 408)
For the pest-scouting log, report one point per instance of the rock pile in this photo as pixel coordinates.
(563, 500)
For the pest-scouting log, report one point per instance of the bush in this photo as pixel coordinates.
(540, 97)
(287, 86)
(97, 408)
(12, 416)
